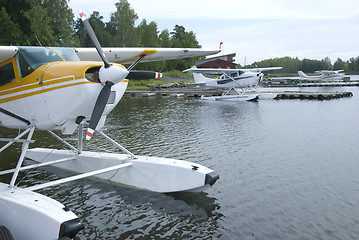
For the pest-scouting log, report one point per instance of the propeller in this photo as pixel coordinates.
(260, 75)
(109, 75)
(143, 75)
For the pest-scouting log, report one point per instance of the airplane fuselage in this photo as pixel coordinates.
(238, 79)
(325, 76)
(49, 92)
(244, 80)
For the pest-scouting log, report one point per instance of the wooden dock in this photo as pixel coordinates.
(314, 95)
(197, 93)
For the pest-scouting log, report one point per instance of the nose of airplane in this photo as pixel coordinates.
(114, 74)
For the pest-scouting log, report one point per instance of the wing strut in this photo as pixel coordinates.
(135, 62)
(15, 116)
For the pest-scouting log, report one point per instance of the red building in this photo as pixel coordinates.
(223, 61)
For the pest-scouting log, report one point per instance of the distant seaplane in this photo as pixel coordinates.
(241, 81)
(61, 89)
(325, 75)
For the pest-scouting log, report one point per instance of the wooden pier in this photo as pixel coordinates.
(196, 93)
(314, 95)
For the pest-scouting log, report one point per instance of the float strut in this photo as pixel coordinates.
(25, 146)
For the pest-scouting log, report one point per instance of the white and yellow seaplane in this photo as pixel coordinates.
(242, 81)
(325, 76)
(43, 88)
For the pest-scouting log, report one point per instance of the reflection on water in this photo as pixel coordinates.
(288, 170)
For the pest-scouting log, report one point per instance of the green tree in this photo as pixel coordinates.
(182, 39)
(16, 10)
(339, 64)
(40, 26)
(9, 30)
(62, 21)
(48, 21)
(148, 34)
(165, 39)
(122, 25)
(353, 65)
(98, 27)
(326, 64)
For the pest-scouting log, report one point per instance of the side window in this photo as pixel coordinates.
(7, 74)
(25, 67)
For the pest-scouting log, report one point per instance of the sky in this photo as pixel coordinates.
(253, 29)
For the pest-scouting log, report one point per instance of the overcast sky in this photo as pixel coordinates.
(254, 29)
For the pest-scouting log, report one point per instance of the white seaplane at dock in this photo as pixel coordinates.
(325, 76)
(62, 89)
(243, 82)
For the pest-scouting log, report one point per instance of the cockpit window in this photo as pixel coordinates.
(30, 58)
(68, 54)
(7, 74)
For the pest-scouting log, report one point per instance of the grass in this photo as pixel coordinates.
(178, 76)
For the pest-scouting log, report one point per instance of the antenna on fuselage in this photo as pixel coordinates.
(38, 41)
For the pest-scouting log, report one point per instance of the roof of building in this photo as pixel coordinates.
(226, 57)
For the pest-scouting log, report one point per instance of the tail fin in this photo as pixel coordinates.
(302, 74)
(199, 78)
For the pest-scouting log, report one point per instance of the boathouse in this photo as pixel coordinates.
(222, 61)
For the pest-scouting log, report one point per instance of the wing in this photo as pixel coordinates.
(129, 55)
(7, 52)
(219, 71)
(215, 71)
(263, 69)
(328, 72)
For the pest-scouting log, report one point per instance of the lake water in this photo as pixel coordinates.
(289, 169)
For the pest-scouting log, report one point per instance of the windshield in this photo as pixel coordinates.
(68, 54)
(30, 58)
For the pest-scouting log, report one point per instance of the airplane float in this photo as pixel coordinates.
(326, 75)
(61, 89)
(239, 80)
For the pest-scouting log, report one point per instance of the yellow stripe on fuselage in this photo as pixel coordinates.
(49, 82)
(28, 94)
(36, 85)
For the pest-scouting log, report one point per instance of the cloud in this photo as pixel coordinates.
(256, 29)
(309, 38)
(243, 9)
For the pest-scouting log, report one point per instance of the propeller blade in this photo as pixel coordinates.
(94, 39)
(108, 74)
(99, 108)
(143, 75)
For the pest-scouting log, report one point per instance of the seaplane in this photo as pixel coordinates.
(64, 89)
(242, 81)
(325, 75)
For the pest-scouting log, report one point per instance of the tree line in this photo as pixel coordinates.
(52, 23)
(292, 65)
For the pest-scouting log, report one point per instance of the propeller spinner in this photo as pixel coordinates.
(109, 75)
